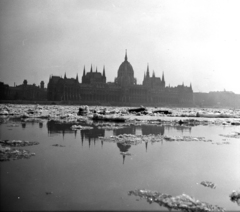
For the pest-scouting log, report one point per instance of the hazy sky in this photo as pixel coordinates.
(191, 41)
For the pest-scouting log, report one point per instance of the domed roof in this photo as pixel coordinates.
(125, 69)
(125, 74)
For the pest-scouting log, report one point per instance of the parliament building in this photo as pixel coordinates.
(124, 91)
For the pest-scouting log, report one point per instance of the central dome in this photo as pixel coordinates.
(125, 69)
(125, 74)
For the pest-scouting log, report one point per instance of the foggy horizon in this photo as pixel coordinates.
(193, 42)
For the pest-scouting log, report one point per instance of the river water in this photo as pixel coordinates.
(89, 174)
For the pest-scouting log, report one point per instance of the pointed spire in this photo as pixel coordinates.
(91, 68)
(84, 72)
(104, 71)
(191, 86)
(153, 74)
(148, 75)
(163, 77)
(96, 69)
(126, 55)
(77, 78)
(65, 77)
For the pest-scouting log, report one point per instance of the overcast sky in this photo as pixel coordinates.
(190, 41)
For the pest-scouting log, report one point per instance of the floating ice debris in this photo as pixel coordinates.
(136, 139)
(76, 127)
(208, 184)
(182, 202)
(185, 138)
(18, 143)
(214, 115)
(68, 120)
(221, 143)
(162, 111)
(232, 135)
(66, 113)
(36, 120)
(129, 139)
(79, 127)
(125, 153)
(3, 113)
(98, 117)
(110, 125)
(235, 197)
(59, 145)
(83, 110)
(7, 154)
(138, 110)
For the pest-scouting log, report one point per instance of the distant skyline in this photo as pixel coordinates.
(191, 41)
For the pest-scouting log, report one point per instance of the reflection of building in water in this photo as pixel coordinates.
(92, 135)
(123, 149)
(179, 128)
(23, 125)
(56, 128)
(151, 129)
(127, 130)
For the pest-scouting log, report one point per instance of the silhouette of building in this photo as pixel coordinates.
(24, 91)
(123, 91)
(217, 99)
(151, 129)
(4, 91)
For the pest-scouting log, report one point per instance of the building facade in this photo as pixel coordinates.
(94, 89)
(24, 91)
(4, 91)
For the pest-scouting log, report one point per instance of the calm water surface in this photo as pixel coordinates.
(88, 174)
